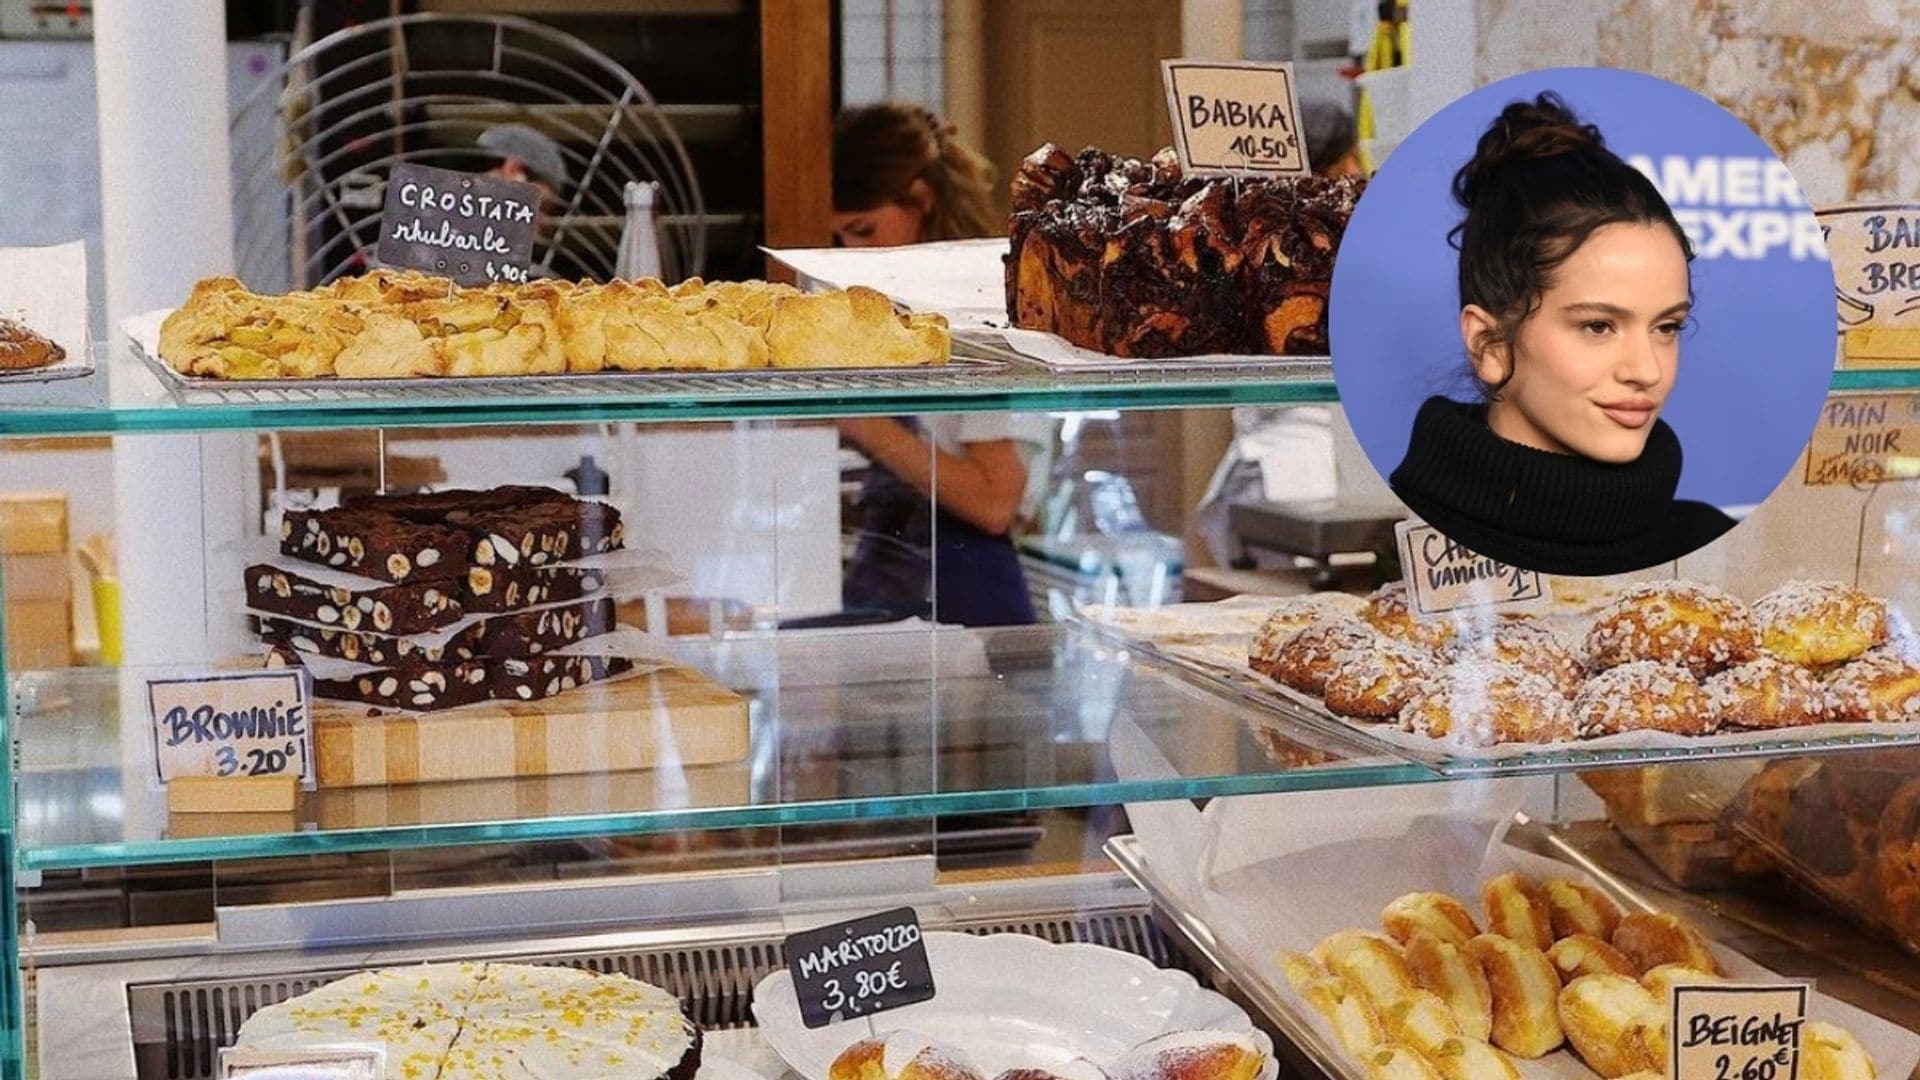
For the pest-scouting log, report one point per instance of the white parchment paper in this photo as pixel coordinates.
(46, 288)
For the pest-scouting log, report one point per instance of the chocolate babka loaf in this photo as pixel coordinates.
(1133, 259)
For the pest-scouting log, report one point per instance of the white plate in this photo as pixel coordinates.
(1013, 1001)
(716, 1068)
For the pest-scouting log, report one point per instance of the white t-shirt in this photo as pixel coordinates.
(1032, 434)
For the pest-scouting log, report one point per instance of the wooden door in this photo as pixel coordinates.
(1077, 73)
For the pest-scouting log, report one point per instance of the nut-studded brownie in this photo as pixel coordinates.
(513, 524)
(435, 687)
(413, 608)
(509, 588)
(376, 544)
(361, 648)
(508, 636)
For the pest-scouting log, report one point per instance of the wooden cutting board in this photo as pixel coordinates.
(673, 716)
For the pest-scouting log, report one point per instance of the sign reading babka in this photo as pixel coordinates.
(470, 228)
(1443, 574)
(859, 968)
(1235, 117)
(1865, 439)
(1876, 269)
(1721, 1031)
(231, 724)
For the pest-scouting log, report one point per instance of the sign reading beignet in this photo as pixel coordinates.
(1235, 117)
(1723, 1031)
(472, 228)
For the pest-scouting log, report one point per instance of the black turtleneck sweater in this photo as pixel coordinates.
(1555, 513)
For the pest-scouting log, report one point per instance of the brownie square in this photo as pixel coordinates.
(412, 608)
(376, 544)
(509, 588)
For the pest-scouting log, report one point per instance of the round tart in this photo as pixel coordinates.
(1695, 626)
(1817, 623)
(1292, 614)
(1524, 642)
(1643, 696)
(1376, 682)
(1387, 611)
(1768, 693)
(1304, 659)
(1481, 704)
(1881, 687)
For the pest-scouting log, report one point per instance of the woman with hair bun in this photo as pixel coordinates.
(1574, 290)
(901, 175)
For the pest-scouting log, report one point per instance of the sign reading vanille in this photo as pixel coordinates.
(1235, 117)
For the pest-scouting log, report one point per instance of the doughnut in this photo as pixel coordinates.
(1433, 913)
(1471, 1059)
(1352, 1019)
(1584, 954)
(1579, 908)
(1295, 613)
(1192, 1055)
(1652, 940)
(1642, 696)
(1880, 687)
(901, 1055)
(1695, 626)
(1526, 993)
(1595, 1012)
(1421, 1020)
(1376, 682)
(1768, 693)
(1387, 612)
(1661, 980)
(1516, 908)
(1524, 642)
(1829, 1053)
(1481, 704)
(1447, 969)
(1371, 963)
(1304, 659)
(1391, 1061)
(1817, 623)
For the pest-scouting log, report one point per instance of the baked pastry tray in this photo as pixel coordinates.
(1071, 360)
(960, 371)
(1214, 664)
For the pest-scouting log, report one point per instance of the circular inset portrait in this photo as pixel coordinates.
(1582, 321)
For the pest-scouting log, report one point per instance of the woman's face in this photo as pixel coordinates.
(887, 226)
(1594, 365)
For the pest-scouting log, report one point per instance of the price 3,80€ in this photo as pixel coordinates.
(868, 987)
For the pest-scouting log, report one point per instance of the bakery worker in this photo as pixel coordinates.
(1575, 287)
(528, 156)
(1332, 149)
(941, 500)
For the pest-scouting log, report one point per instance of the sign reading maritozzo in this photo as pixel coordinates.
(1723, 1031)
(1443, 574)
(859, 968)
(473, 229)
(1235, 117)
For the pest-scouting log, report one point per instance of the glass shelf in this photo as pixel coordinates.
(845, 726)
(123, 397)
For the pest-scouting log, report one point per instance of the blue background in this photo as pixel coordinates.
(1753, 372)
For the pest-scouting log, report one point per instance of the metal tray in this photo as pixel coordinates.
(78, 365)
(961, 372)
(1512, 759)
(989, 344)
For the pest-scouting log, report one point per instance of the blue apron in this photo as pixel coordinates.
(975, 579)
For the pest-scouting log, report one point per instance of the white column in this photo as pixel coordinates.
(1212, 29)
(167, 216)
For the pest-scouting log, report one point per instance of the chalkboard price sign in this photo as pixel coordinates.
(474, 229)
(860, 968)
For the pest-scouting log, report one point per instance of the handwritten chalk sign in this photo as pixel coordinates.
(1867, 439)
(311, 1063)
(1726, 1031)
(474, 229)
(253, 723)
(1235, 117)
(1876, 270)
(1444, 575)
(860, 968)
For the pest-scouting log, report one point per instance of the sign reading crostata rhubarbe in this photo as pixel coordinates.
(1235, 117)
